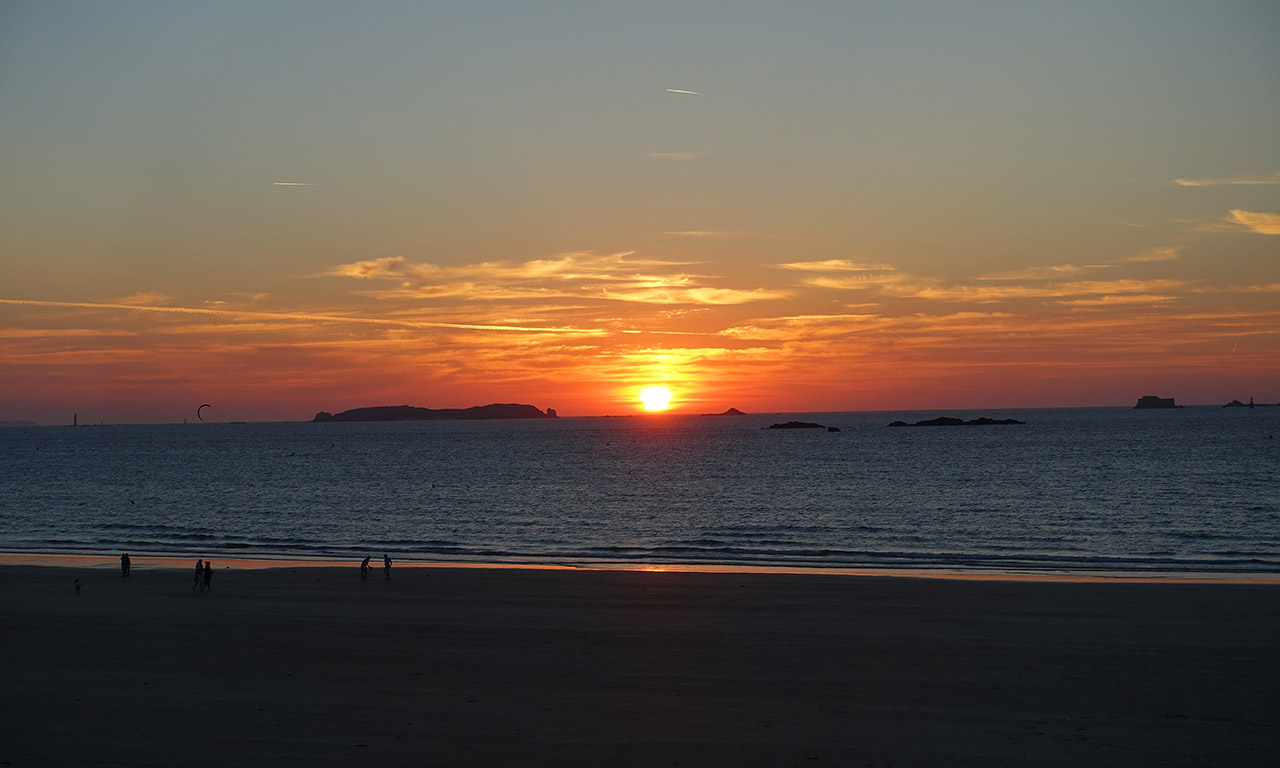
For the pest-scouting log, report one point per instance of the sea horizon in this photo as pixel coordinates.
(1112, 490)
(666, 414)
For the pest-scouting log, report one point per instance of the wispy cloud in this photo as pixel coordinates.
(1272, 288)
(1261, 223)
(675, 155)
(817, 327)
(298, 317)
(387, 266)
(864, 280)
(145, 297)
(707, 233)
(797, 327)
(1138, 299)
(1248, 180)
(584, 275)
(292, 184)
(1056, 271)
(1161, 253)
(692, 295)
(682, 90)
(990, 293)
(836, 265)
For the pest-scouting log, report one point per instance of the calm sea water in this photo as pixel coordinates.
(1188, 491)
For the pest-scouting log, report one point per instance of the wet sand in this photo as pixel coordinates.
(474, 666)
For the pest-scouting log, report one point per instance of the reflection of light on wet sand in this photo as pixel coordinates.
(160, 562)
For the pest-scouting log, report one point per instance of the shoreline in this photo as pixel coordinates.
(569, 667)
(171, 562)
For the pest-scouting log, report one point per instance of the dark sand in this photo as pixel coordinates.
(443, 666)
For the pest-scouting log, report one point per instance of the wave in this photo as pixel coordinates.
(1077, 494)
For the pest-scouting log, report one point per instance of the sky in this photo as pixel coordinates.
(280, 208)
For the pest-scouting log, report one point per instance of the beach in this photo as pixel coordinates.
(532, 667)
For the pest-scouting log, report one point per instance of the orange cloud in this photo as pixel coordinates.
(1050, 290)
(1161, 253)
(1044, 273)
(836, 265)
(578, 276)
(1113, 301)
(389, 266)
(1261, 223)
(682, 294)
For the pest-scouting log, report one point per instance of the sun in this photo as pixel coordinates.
(655, 398)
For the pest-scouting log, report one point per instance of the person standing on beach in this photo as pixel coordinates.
(124, 565)
(364, 567)
(208, 576)
(386, 566)
(77, 586)
(199, 573)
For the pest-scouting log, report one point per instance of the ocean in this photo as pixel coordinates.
(1118, 491)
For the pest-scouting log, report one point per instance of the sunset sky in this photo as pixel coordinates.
(280, 208)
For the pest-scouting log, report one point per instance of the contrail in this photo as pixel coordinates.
(292, 184)
(1246, 180)
(681, 90)
(302, 317)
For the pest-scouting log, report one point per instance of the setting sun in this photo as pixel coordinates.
(655, 398)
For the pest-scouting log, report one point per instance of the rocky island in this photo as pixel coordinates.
(796, 425)
(411, 413)
(951, 421)
(1151, 401)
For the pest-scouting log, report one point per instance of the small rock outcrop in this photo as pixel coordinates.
(1151, 401)
(796, 425)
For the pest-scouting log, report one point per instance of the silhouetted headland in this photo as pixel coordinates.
(1250, 404)
(951, 421)
(1151, 401)
(412, 413)
(796, 425)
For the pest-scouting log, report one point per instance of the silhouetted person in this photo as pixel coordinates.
(208, 576)
(77, 586)
(386, 566)
(124, 565)
(364, 568)
(199, 574)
